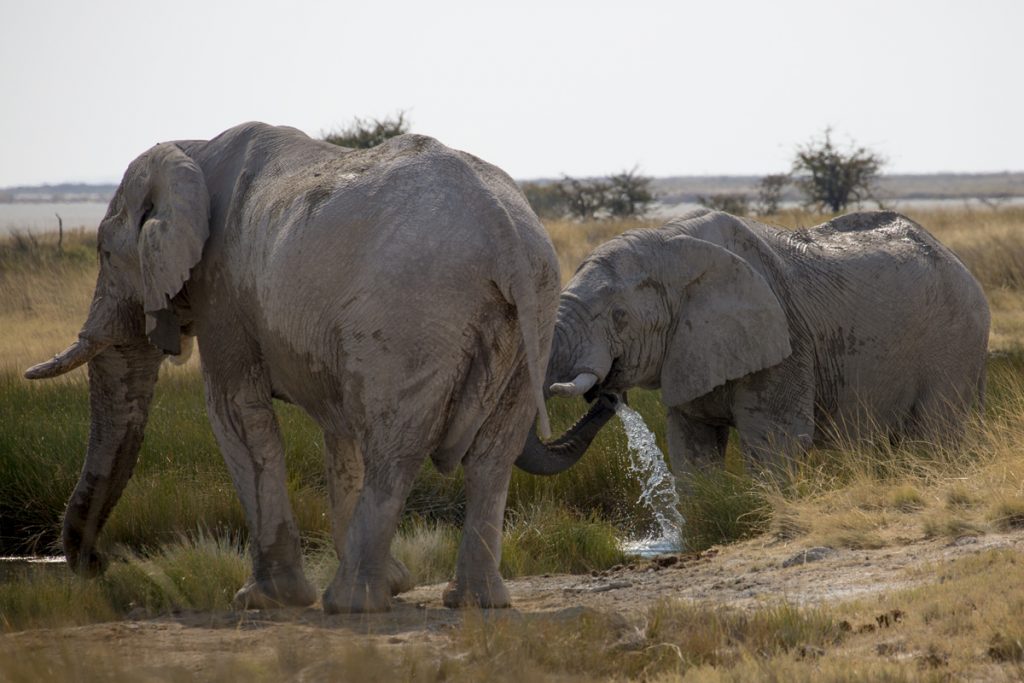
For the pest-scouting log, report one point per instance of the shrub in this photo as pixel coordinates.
(366, 133)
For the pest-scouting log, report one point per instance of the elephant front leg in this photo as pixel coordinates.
(695, 448)
(775, 422)
(246, 428)
(345, 470)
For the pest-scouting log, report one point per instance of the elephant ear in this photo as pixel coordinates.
(730, 323)
(171, 238)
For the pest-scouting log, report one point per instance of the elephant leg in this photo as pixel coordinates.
(938, 418)
(487, 469)
(345, 471)
(774, 443)
(774, 414)
(246, 428)
(363, 582)
(694, 448)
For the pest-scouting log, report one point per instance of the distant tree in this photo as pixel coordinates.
(769, 193)
(364, 133)
(735, 203)
(831, 178)
(584, 198)
(546, 199)
(629, 194)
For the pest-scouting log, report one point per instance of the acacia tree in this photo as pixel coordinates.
(365, 133)
(584, 198)
(629, 194)
(831, 178)
(622, 195)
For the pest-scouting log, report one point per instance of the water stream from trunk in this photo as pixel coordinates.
(659, 489)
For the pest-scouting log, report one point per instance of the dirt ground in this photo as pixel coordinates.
(741, 575)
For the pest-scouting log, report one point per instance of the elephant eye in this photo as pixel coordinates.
(619, 319)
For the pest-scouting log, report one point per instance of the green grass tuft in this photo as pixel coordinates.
(547, 538)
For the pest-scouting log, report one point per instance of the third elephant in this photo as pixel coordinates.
(864, 327)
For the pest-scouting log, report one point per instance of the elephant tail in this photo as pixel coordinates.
(536, 358)
(522, 280)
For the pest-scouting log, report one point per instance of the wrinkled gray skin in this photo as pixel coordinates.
(860, 328)
(404, 296)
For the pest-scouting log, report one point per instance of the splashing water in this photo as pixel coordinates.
(659, 490)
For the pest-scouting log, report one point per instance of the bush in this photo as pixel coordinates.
(735, 203)
(546, 199)
(623, 195)
(366, 133)
(831, 178)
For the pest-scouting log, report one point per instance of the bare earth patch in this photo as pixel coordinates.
(744, 575)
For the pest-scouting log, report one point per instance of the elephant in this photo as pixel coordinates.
(404, 296)
(859, 329)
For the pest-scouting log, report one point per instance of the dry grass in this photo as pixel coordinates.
(952, 625)
(43, 296)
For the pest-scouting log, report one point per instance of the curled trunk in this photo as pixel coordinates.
(559, 455)
(121, 381)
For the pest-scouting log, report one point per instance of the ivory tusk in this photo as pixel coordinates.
(577, 387)
(82, 351)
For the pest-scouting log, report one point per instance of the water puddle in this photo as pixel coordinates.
(13, 566)
(659, 489)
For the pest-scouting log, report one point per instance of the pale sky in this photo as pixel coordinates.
(538, 88)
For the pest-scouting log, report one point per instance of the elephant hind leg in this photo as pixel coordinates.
(367, 574)
(344, 474)
(939, 417)
(488, 468)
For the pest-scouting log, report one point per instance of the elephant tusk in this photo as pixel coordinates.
(577, 387)
(82, 351)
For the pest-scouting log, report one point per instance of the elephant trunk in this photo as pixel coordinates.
(121, 381)
(557, 456)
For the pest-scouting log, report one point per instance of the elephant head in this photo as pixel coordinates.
(655, 309)
(150, 239)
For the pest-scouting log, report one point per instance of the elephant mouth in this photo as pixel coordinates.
(609, 386)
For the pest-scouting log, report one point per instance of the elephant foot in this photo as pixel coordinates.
(348, 597)
(399, 578)
(88, 565)
(275, 593)
(490, 594)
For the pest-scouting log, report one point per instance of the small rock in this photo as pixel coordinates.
(666, 561)
(890, 649)
(889, 618)
(810, 555)
(610, 586)
(810, 652)
(959, 541)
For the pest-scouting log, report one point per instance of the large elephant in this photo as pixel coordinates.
(404, 296)
(862, 327)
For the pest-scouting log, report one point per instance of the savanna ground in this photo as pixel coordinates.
(869, 564)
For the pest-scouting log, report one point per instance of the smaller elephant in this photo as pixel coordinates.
(863, 327)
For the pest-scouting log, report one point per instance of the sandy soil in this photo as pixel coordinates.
(740, 575)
